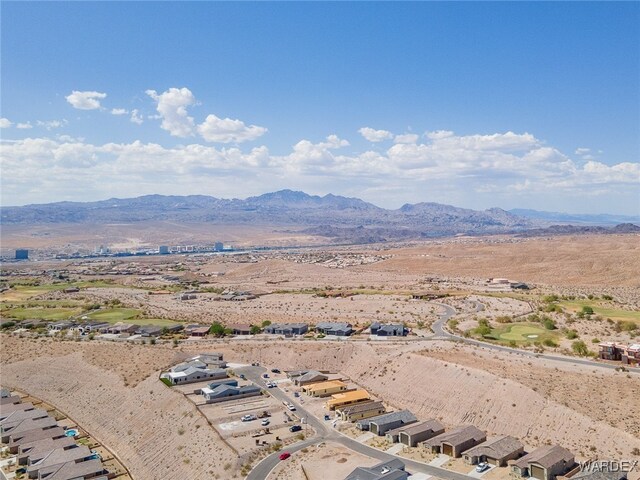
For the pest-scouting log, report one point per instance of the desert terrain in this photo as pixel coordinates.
(112, 388)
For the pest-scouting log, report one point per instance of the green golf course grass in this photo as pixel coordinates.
(522, 333)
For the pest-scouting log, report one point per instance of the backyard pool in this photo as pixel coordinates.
(72, 432)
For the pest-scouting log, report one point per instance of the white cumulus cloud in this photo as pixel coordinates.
(51, 124)
(374, 135)
(136, 117)
(119, 111)
(226, 130)
(172, 108)
(406, 138)
(24, 125)
(5, 123)
(88, 100)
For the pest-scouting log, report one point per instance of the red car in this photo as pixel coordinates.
(284, 455)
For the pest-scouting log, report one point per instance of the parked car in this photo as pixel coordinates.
(284, 455)
(296, 394)
(295, 428)
(481, 467)
(265, 375)
(249, 418)
(291, 408)
(265, 422)
(275, 370)
(271, 385)
(327, 417)
(242, 376)
(255, 364)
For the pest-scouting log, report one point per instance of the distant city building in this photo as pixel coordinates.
(22, 254)
(163, 249)
(218, 246)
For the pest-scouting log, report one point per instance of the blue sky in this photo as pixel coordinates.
(475, 104)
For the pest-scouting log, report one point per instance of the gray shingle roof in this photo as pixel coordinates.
(403, 415)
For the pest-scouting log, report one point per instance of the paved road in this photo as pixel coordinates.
(325, 433)
(439, 330)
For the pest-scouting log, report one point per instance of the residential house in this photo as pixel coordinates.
(192, 374)
(59, 326)
(388, 330)
(343, 399)
(389, 470)
(5, 410)
(325, 389)
(610, 351)
(149, 331)
(544, 463)
(411, 435)
(600, 471)
(240, 329)
(456, 441)
(496, 451)
(211, 360)
(312, 376)
(34, 435)
(81, 470)
(86, 328)
(292, 374)
(10, 400)
(59, 456)
(339, 329)
(631, 355)
(15, 429)
(17, 415)
(27, 452)
(222, 393)
(120, 328)
(200, 332)
(287, 329)
(226, 381)
(388, 421)
(359, 411)
(175, 328)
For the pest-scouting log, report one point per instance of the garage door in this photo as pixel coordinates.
(536, 472)
(492, 461)
(447, 450)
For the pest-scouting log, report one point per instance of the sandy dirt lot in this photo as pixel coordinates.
(314, 462)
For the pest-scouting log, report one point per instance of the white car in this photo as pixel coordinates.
(248, 418)
(265, 422)
(481, 467)
(291, 407)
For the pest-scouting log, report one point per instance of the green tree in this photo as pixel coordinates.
(580, 348)
(266, 323)
(255, 329)
(587, 310)
(217, 329)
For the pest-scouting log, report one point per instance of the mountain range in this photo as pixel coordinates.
(341, 218)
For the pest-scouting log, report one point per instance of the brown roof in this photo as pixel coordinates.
(28, 424)
(240, 326)
(17, 416)
(361, 407)
(458, 435)
(58, 457)
(15, 407)
(44, 445)
(72, 470)
(497, 447)
(10, 400)
(34, 435)
(430, 425)
(546, 456)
